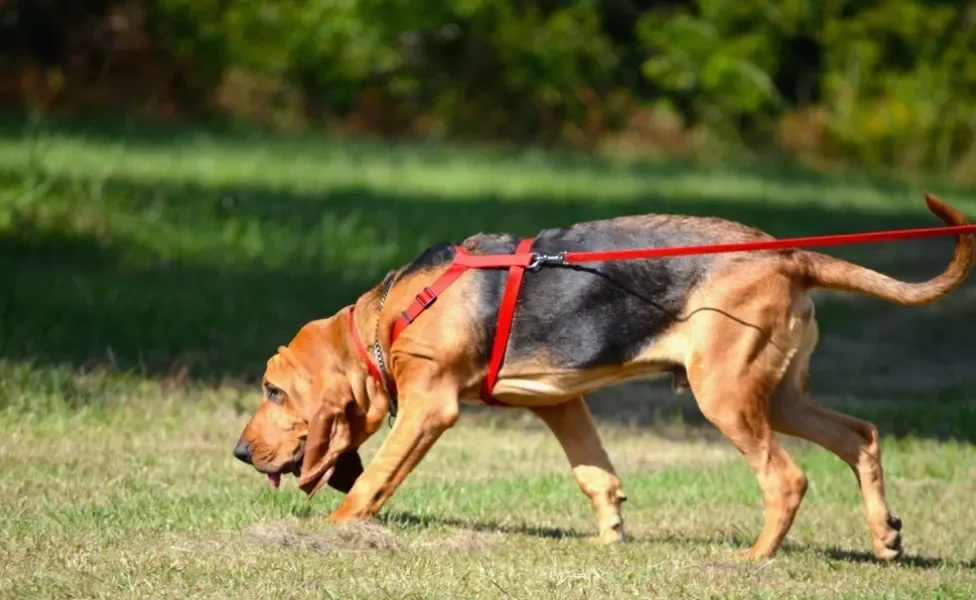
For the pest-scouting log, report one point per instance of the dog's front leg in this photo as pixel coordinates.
(573, 426)
(426, 412)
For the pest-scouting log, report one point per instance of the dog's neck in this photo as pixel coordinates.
(368, 392)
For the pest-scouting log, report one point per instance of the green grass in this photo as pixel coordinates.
(149, 502)
(149, 273)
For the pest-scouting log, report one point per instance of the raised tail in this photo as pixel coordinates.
(820, 270)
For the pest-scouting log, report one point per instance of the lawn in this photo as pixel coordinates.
(149, 273)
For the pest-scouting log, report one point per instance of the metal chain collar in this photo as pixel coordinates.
(378, 353)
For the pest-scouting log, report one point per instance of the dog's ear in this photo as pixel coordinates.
(330, 444)
(317, 460)
(348, 468)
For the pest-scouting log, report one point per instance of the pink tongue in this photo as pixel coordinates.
(275, 479)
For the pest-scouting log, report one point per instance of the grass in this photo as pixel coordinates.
(148, 275)
(147, 502)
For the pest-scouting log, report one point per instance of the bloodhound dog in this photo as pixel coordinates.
(737, 329)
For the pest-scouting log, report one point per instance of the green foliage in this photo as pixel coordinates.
(896, 79)
(901, 81)
(890, 83)
(719, 60)
(485, 67)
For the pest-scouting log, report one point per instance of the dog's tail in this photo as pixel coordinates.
(820, 270)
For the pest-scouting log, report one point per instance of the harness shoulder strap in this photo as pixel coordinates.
(506, 312)
(516, 264)
(429, 294)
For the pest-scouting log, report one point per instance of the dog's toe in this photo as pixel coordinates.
(890, 554)
(890, 547)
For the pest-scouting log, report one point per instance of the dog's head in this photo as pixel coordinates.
(309, 423)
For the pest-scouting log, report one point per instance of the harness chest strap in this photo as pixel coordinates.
(506, 313)
(515, 263)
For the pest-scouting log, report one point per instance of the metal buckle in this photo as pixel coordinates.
(540, 260)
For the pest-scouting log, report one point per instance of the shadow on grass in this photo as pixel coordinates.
(735, 544)
(183, 280)
(909, 561)
(413, 520)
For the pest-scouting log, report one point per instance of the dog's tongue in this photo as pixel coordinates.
(275, 479)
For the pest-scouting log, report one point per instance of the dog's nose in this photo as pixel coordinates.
(242, 451)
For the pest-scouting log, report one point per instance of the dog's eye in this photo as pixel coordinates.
(273, 393)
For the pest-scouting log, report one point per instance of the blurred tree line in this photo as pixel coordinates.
(869, 81)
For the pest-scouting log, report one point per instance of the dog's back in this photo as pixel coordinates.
(597, 314)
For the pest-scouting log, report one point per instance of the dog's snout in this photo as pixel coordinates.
(242, 451)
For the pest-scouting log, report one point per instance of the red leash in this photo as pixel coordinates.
(804, 242)
(524, 259)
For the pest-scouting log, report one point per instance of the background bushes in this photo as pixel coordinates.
(871, 82)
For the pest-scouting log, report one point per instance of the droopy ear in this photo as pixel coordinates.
(328, 435)
(348, 468)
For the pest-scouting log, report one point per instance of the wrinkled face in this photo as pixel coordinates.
(275, 436)
(306, 425)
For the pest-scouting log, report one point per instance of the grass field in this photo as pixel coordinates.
(149, 273)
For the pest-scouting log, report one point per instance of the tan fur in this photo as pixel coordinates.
(818, 270)
(538, 384)
(743, 346)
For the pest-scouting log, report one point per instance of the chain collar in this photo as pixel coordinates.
(378, 353)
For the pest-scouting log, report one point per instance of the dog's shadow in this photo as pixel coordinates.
(913, 561)
(831, 552)
(414, 520)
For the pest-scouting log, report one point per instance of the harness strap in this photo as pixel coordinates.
(516, 264)
(428, 295)
(462, 262)
(493, 261)
(506, 313)
(374, 369)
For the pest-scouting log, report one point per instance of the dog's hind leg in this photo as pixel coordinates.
(795, 413)
(738, 356)
(573, 426)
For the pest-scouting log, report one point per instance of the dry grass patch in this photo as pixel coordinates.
(355, 537)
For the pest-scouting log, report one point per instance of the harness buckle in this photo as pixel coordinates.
(426, 297)
(541, 260)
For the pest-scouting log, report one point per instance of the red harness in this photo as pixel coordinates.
(516, 263)
(524, 258)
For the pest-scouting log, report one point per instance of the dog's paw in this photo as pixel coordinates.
(612, 534)
(340, 516)
(890, 551)
(888, 546)
(749, 554)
